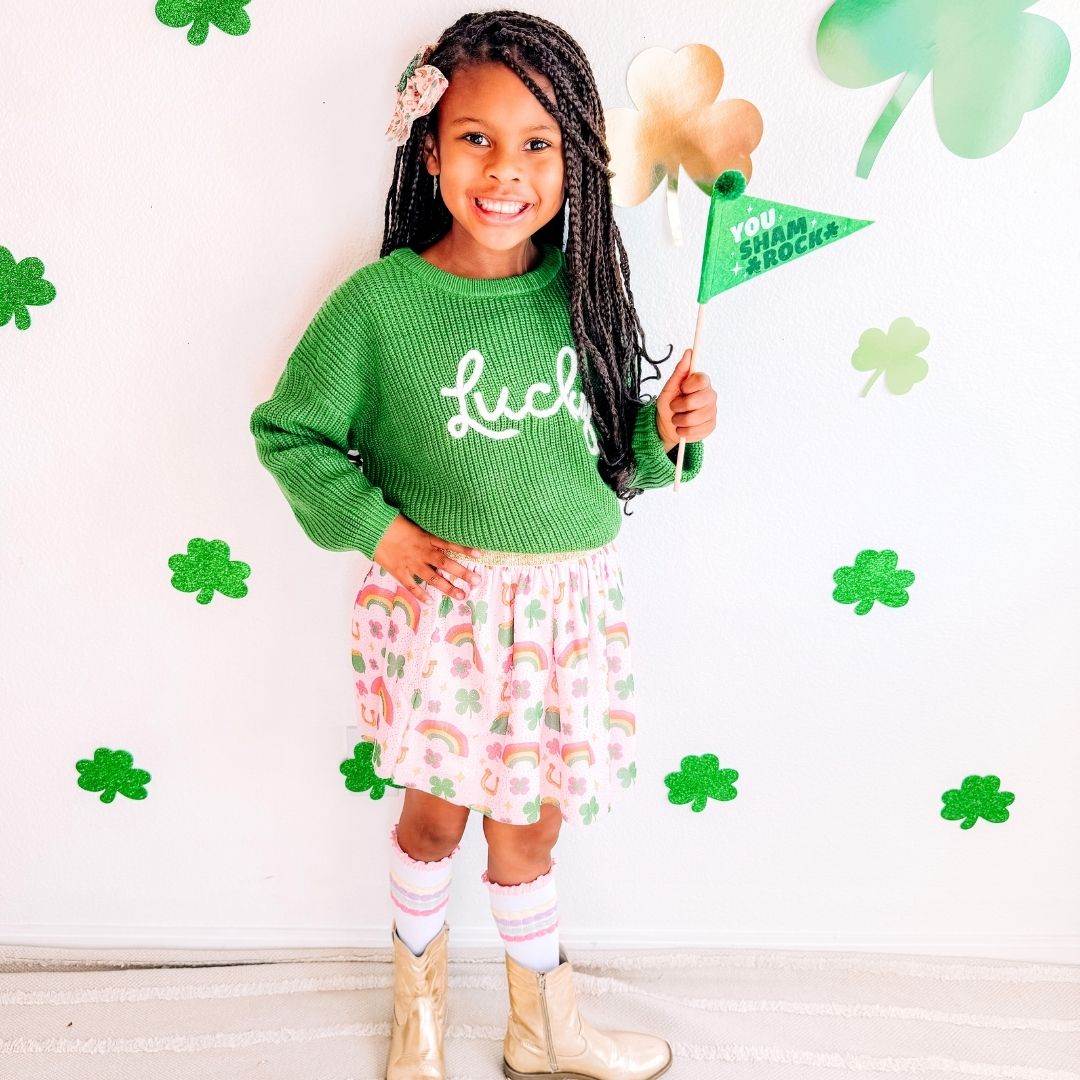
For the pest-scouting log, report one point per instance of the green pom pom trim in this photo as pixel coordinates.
(730, 185)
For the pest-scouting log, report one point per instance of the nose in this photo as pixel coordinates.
(504, 165)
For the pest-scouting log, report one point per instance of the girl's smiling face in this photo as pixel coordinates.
(496, 143)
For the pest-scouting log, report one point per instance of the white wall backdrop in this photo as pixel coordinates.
(193, 205)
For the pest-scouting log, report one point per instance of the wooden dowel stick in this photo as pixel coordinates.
(693, 358)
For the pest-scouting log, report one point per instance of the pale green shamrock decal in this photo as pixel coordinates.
(699, 779)
(977, 797)
(227, 15)
(207, 568)
(628, 774)
(625, 687)
(873, 577)
(894, 354)
(466, 700)
(359, 770)
(111, 773)
(22, 286)
(478, 608)
(395, 666)
(992, 62)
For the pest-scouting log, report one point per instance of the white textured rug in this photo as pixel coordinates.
(322, 1014)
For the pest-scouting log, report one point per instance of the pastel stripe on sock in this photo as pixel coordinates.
(418, 903)
(535, 925)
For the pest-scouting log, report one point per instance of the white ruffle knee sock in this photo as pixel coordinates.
(527, 917)
(420, 892)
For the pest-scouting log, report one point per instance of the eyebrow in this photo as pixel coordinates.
(483, 123)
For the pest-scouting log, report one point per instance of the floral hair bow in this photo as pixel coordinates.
(418, 91)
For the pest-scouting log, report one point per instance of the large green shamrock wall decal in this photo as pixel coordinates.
(227, 15)
(359, 770)
(977, 797)
(894, 353)
(207, 568)
(21, 285)
(992, 62)
(873, 577)
(699, 779)
(111, 772)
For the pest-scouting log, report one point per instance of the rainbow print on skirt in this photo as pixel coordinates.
(518, 695)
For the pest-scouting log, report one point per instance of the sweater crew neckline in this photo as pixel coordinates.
(482, 288)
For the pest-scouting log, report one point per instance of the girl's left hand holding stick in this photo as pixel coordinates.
(686, 406)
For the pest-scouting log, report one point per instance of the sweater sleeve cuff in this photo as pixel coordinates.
(372, 526)
(655, 469)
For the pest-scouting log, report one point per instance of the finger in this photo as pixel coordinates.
(691, 418)
(443, 584)
(415, 585)
(463, 548)
(452, 568)
(685, 402)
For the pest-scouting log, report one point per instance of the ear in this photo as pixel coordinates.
(431, 155)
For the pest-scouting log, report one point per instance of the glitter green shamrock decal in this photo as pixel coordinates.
(991, 62)
(227, 15)
(22, 286)
(699, 779)
(977, 797)
(873, 577)
(894, 354)
(111, 773)
(207, 568)
(359, 770)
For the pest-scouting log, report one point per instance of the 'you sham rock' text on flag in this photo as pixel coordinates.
(745, 236)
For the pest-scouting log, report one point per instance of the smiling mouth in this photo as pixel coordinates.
(495, 215)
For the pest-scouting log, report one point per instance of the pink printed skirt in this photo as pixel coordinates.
(520, 694)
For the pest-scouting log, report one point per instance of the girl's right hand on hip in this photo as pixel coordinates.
(416, 557)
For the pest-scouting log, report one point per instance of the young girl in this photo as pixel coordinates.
(486, 370)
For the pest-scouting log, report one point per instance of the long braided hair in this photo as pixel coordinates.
(605, 324)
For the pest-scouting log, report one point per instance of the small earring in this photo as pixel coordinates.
(435, 189)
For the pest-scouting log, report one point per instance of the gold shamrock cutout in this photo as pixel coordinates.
(678, 121)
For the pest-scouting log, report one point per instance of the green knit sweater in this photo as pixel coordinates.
(463, 400)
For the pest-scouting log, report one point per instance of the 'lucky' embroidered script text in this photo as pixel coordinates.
(471, 367)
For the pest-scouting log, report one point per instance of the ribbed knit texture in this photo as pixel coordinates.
(415, 369)
(527, 918)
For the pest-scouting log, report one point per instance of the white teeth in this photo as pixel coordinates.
(501, 207)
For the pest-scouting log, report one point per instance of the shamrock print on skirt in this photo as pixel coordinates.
(519, 695)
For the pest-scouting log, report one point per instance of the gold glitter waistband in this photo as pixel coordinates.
(520, 558)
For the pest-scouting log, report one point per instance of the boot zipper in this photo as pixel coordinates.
(547, 1023)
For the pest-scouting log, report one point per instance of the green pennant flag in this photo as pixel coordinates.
(747, 236)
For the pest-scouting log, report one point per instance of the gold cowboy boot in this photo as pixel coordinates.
(547, 1036)
(416, 1035)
